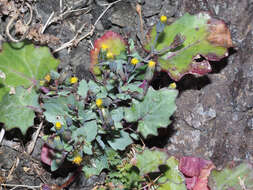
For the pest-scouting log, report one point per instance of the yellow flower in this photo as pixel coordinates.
(47, 78)
(163, 19)
(73, 80)
(104, 47)
(134, 61)
(109, 55)
(151, 64)
(173, 85)
(57, 138)
(42, 82)
(77, 160)
(99, 102)
(58, 125)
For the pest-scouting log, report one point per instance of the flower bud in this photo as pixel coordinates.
(67, 135)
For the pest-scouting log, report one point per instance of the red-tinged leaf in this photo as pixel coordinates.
(114, 44)
(202, 181)
(46, 155)
(190, 182)
(197, 171)
(199, 35)
(191, 166)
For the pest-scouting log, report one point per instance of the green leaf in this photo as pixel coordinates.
(93, 87)
(231, 177)
(54, 166)
(121, 142)
(56, 109)
(87, 149)
(202, 35)
(23, 64)
(16, 110)
(172, 179)
(153, 112)
(133, 87)
(149, 160)
(83, 89)
(88, 131)
(117, 114)
(86, 115)
(95, 165)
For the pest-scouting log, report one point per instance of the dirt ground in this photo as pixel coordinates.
(214, 119)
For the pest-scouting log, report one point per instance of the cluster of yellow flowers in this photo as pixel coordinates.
(99, 102)
(77, 159)
(58, 125)
(73, 80)
(109, 55)
(163, 19)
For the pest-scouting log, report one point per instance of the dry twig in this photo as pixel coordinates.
(16, 186)
(75, 41)
(15, 17)
(2, 132)
(30, 147)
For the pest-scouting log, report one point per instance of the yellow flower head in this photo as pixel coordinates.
(104, 47)
(77, 160)
(73, 80)
(47, 78)
(42, 82)
(109, 55)
(151, 64)
(163, 19)
(173, 85)
(57, 138)
(58, 125)
(134, 61)
(99, 102)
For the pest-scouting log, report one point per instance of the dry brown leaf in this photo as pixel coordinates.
(219, 34)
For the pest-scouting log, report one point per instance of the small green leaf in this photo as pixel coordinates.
(95, 165)
(121, 142)
(149, 160)
(54, 166)
(88, 131)
(100, 142)
(133, 87)
(23, 64)
(56, 109)
(202, 35)
(83, 89)
(117, 114)
(16, 109)
(172, 179)
(232, 178)
(93, 87)
(86, 115)
(87, 149)
(153, 112)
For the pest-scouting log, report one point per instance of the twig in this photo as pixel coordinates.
(8, 27)
(106, 9)
(75, 41)
(31, 14)
(72, 41)
(16, 185)
(47, 23)
(30, 147)
(2, 132)
(138, 10)
(14, 166)
(61, 6)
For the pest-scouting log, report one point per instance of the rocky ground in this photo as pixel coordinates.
(214, 119)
